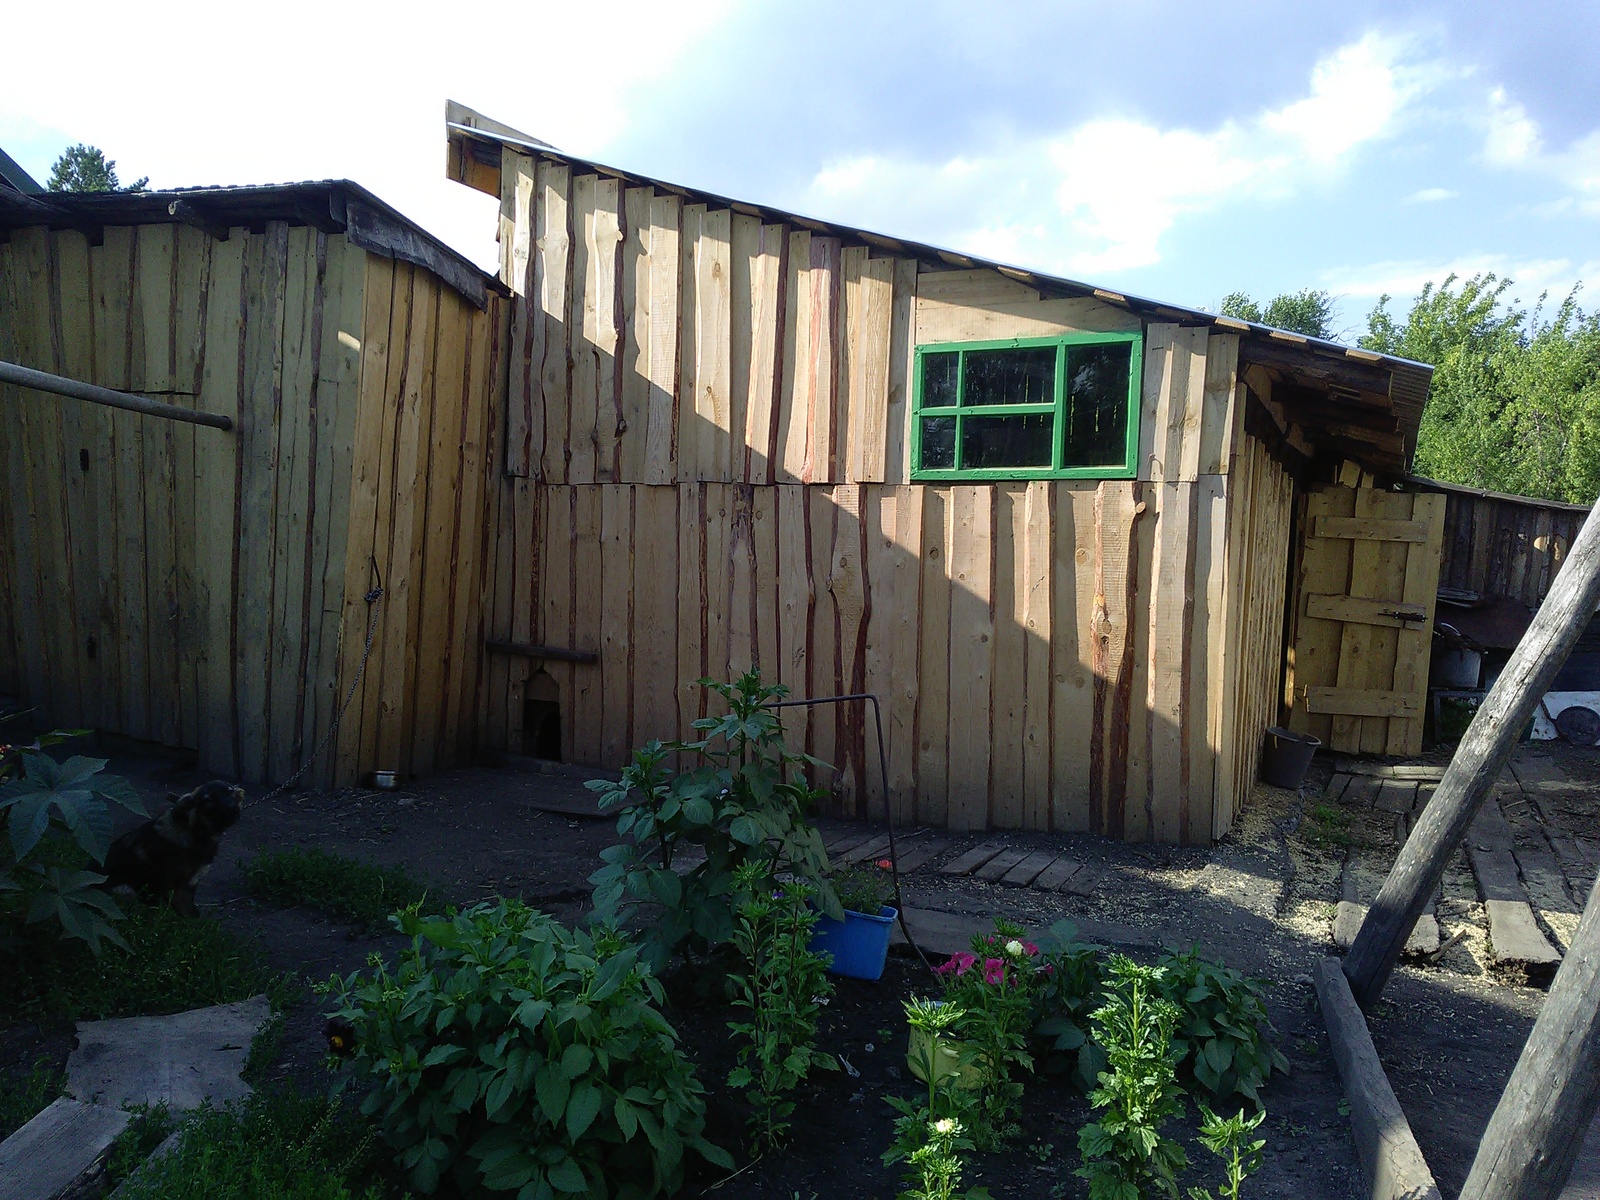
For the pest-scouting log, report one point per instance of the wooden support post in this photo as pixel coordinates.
(1529, 1147)
(44, 381)
(1478, 762)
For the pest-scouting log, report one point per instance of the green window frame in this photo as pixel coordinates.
(1059, 407)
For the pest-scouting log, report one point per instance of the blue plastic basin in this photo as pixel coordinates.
(859, 943)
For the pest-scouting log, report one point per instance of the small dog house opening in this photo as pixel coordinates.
(541, 718)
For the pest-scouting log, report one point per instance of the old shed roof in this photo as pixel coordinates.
(331, 205)
(1342, 400)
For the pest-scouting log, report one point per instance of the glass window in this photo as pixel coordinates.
(1028, 408)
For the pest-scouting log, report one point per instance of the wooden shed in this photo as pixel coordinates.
(206, 588)
(1050, 525)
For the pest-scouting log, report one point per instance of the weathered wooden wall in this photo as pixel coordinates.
(706, 467)
(186, 585)
(1504, 545)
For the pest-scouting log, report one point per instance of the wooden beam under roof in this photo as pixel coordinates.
(1306, 365)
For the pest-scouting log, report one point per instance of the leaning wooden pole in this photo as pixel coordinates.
(44, 381)
(1528, 1150)
(1477, 764)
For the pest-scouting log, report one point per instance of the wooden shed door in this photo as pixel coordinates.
(1369, 570)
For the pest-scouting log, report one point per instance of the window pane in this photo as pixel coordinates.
(939, 380)
(1097, 405)
(1011, 376)
(1023, 441)
(938, 443)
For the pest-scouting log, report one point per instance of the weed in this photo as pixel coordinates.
(1229, 1139)
(1041, 1152)
(341, 887)
(269, 1146)
(1328, 825)
(21, 1099)
(151, 1125)
(173, 963)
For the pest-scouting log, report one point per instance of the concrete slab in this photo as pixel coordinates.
(180, 1060)
(1521, 951)
(944, 933)
(58, 1147)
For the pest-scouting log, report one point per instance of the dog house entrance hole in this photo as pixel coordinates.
(541, 718)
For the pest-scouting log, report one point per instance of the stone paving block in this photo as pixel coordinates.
(180, 1061)
(1336, 786)
(1363, 790)
(1396, 796)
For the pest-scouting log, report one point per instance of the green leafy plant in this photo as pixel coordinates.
(1229, 1139)
(268, 1146)
(783, 986)
(341, 887)
(1068, 988)
(1124, 1155)
(935, 1166)
(747, 802)
(1221, 1040)
(151, 1125)
(862, 889)
(996, 987)
(505, 1051)
(173, 963)
(50, 806)
(1327, 825)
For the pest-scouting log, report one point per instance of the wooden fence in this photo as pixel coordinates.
(1500, 545)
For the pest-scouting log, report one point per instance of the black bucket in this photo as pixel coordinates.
(1287, 756)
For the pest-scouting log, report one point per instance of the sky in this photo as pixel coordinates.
(1175, 151)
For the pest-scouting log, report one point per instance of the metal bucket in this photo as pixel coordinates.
(1287, 756)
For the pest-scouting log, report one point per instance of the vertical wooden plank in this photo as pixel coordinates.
(1114, 651)
(12, 681)
(1171, 615)
(616, 623)
(934, 683)
(743, 261)
(847, 584)
(519, 200)
(763, 380)
(602, 336)
(583, 351)
(157, 254)
(691, 604)
(634, 367)
(687, 437)
(797, 598)
(905, 656)
(717, 578)
(794, 406)
(1135, 679)
(1162, 362)
(902, 355)
(295, 468)
(1074, 655)
(125, 329)
(552, 284)
(766, 593)
(1207, 678)
(742, 621)
(1413, 644)
(829, 360)
(1216, 416)
(661, 437)
(587, 680)
(713, 421)
(1007, 753)
(869, 300)
(554, 528)
(1036, 576)
(655, 616)
(826, 672)
(971, 574)
(1188, 408)
(191, 288)
(878, 505)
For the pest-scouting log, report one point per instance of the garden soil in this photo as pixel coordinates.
(1260, 901)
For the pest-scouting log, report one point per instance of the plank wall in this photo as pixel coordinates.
(706, 468)
(1504, 546)
(185, 585)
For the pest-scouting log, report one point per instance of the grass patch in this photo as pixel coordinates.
(277, 1145)
(341, 887)
(22, 1097)
(176, 963)
(1328, 825)
(150, 1127)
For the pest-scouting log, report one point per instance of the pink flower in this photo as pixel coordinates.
(885, 865)
(960, 963)
(994, 971)
(1029, 949)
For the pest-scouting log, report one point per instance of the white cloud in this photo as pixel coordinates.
(1513, 138)
(1120, 184)
(1404, 278)
(1431, 195)
(1513, 141)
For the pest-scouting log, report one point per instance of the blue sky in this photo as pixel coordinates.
(1176, 151)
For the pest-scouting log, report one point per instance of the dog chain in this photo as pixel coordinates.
(374, 597)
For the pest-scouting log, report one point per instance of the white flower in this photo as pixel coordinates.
(1014, 948)
(945, 1126)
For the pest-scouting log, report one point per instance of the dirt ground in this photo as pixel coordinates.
(1261, 900)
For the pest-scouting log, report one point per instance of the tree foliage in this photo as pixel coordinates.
(84, 168)
(1515, 400)
(1307, 311)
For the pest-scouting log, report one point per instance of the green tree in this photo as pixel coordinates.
(1515, 400)
(1307, 311)
(84, 168)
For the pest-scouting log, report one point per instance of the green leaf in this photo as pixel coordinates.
(568, 1177)
(582, 1109)
(551, 1087)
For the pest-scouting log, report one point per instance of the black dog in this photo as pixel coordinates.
(167, 855)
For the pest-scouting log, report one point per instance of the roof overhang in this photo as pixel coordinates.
(332, 206)
(1328, 399)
